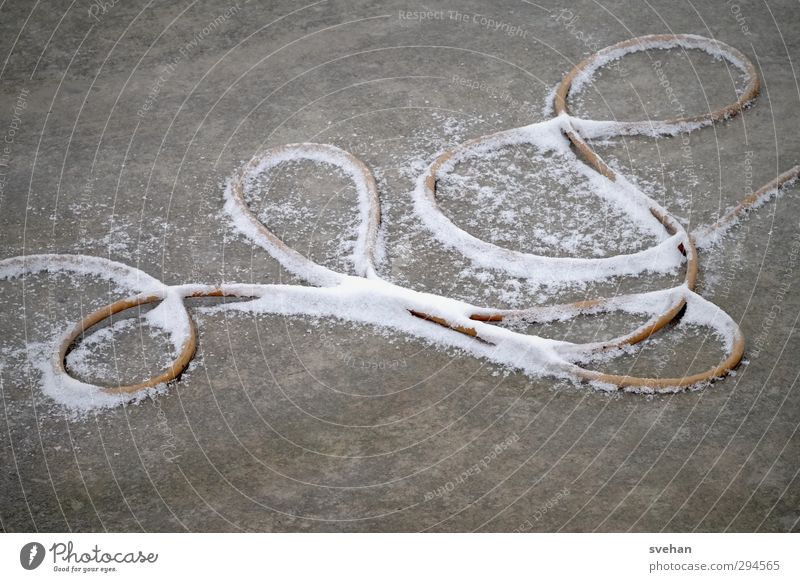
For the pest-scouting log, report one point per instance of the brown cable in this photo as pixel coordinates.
(326, 276)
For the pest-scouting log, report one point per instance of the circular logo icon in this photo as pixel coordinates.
(31, 555)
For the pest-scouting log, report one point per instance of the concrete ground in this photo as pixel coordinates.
(122, 119)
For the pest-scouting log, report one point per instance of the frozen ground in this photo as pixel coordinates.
(120, 127)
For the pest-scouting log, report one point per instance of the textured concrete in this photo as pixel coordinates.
(135, 112)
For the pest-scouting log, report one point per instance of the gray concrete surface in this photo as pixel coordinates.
(134, 113)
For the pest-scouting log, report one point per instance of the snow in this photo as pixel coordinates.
(370, 299)
(171, 317)
(124, 276)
